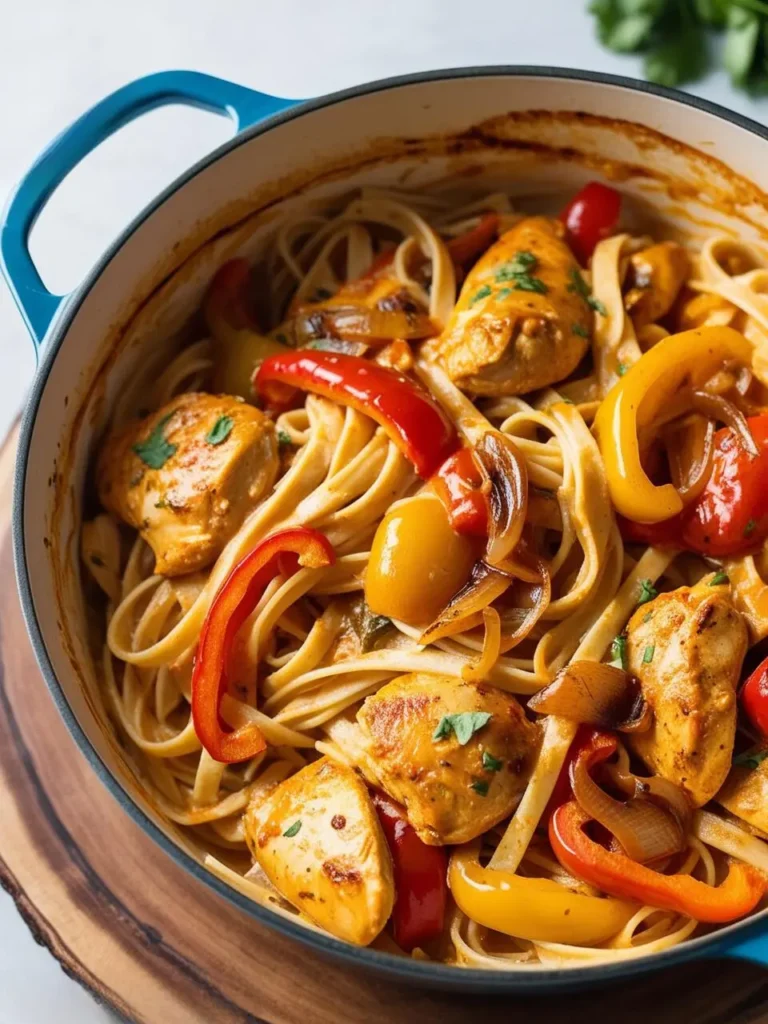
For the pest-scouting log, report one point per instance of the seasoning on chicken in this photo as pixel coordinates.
(187, 476)
(745, 793)
(686, 648)
(522, 321)
(456, 755)
(654, 277)
(318, 839)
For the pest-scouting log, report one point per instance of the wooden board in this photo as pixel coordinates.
(155, 945)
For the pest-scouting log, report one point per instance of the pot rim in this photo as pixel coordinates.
(448, 976)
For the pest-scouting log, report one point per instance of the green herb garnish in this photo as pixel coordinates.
(517, 272)
(621, 369)
(156, 450)
(463, 725)
(161, 503)
(284, 439)
(220, 430)
(751, 759)
(293, 830)
(647, 592)
(619, 652)
(582, 332)
(502, 293)
(480, 787)
(648, 654)
(719, 579)
(526, 283)
(373, 629)
(481, 293)
(491, 763)
(674, 37)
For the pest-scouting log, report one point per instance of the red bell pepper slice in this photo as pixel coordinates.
(231, 606)
(730, 515)
(472, 243)
(591, 216)
(408, 413)
(458, 484)
(617, 875)
(421, 878)
(754, 698)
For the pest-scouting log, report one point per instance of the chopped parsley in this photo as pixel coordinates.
(517, 272)
(156, 450)
(491, 763)
(621, 369)
(502, 293)
(580, 331)
(619, 652)
(480, 787)
(751, 759)
(749, 529)
(463, 725)
(220, 430)
(293, 830)
(481, 293)
(284, 439)
(648, 654)
(647, 592)
(719, 579)
(580, 287)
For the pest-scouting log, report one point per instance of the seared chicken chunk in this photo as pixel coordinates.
(522, 321)
(745, 794)
(686, 648)
(456, 755)
(654, 278)
(187, 475)
(318, 839)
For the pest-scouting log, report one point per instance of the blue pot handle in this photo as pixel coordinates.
(753, 946)
(38, 306)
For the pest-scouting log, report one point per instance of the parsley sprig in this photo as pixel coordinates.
(463, 725)
(673, 36)
(156, 449)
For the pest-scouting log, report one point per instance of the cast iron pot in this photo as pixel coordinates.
(531, 131)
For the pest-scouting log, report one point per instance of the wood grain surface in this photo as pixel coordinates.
(156, 946)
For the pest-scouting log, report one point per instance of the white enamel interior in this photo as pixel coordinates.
(318, 137)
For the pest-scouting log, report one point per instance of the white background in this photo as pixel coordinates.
(57, 58)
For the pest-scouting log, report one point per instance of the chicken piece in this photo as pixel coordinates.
(745, 794)
(522, 320)
(318, 839)
(686, 648)
(187, 476)
(453, 786)
(654, 278)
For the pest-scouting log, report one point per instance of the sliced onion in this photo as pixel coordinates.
(393, 317)
(541, 594)
(482, 588)
(504, 467)
(645, 831)
(690, 449)
(655, 788)
(719, 408)
(591, 693)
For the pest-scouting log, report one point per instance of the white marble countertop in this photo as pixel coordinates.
(56, 59)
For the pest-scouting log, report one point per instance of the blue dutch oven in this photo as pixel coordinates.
(542, 129)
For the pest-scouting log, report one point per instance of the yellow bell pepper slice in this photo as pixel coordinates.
(678, 361)
(537, 909)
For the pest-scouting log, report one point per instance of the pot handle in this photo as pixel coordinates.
(244, 106)
(753, 946)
